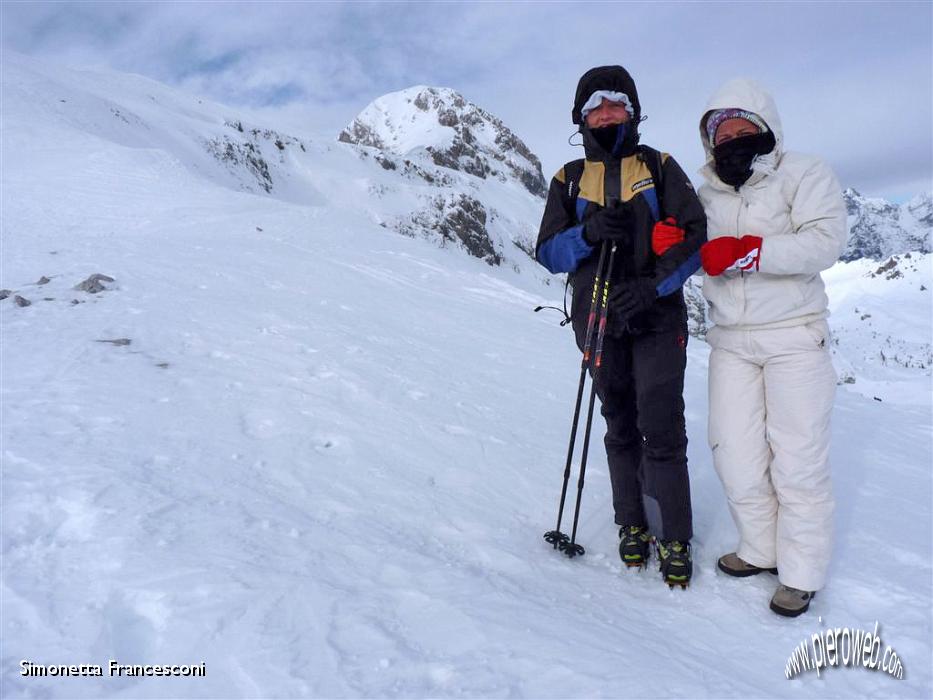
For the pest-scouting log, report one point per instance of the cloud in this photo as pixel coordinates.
(853, 81)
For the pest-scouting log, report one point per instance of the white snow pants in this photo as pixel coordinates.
(770, 397)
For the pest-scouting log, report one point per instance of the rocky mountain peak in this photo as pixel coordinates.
(441, 125)
(921, 209)
(879, 229)
(857, 203)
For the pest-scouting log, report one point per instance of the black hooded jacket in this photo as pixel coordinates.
(583, 187)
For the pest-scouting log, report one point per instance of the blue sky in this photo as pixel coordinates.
(853, 81)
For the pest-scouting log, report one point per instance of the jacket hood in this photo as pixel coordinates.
(613, 78)
(743, 93)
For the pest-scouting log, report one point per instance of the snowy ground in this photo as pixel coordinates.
(324, 462)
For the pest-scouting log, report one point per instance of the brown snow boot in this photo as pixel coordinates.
(734, 566)
(791, 602)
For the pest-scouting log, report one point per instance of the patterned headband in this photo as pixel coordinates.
(721, 115)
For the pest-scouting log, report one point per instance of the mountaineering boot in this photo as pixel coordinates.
(734, 566)
(676, 562)
(791, 602)
(633, 545)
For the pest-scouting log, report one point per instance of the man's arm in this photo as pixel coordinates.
(682, 259)
(561, 245)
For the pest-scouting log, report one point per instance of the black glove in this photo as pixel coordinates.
(610, 224)
(631, 297)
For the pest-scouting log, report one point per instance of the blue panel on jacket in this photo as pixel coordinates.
(563, 252)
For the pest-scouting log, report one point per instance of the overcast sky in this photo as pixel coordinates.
(853, 80)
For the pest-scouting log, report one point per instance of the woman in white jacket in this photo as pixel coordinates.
(775, 220)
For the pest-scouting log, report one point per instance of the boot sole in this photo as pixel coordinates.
(634, 561)
(743, 573)
(786, 612)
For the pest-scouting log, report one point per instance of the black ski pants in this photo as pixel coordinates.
(640, 385)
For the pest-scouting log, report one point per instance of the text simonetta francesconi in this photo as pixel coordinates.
(112, 668)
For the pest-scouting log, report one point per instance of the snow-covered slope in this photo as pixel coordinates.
(881, 320)
(145, 122)
(319, 457)
(492, 218)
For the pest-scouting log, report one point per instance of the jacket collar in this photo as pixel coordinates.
(762, 167)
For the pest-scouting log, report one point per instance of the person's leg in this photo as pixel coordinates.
(614, 387)
(741, 454)
(659, 360)
(800, 387)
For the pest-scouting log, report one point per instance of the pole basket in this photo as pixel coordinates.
(556, 538)
(572, 549)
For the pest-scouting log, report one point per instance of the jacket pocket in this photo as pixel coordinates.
(818, 332)
(720, 295)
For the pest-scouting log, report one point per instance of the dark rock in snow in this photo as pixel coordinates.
(458, 218)
(94, 284)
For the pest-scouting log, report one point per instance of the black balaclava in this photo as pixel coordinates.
(733, 159)
(610, 138)
(610, 142)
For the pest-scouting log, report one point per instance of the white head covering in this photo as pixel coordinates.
(597, 97)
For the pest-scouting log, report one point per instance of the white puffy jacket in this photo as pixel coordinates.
(794, 203)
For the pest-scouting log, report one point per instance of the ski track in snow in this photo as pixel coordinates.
(324, 463)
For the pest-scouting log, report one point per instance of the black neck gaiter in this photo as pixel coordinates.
(609, 142)
(733, 159)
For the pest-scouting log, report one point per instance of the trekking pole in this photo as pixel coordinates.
(555, 536)
(571, 548)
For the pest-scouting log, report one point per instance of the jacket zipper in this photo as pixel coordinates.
(612, 181)
(743, 204)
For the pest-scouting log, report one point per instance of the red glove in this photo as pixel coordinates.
(666, 234)
(728, 253)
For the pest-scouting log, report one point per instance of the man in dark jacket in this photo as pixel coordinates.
(643, 202)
